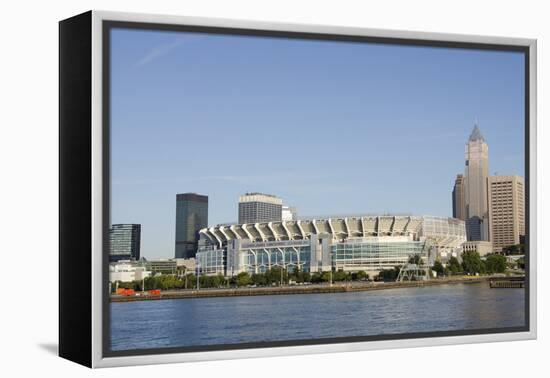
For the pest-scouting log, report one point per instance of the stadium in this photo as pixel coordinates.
(368, 243)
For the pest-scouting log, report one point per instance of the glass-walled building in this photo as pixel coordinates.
(191, 216)
(211, 261)
(375, 254)
(124, 242)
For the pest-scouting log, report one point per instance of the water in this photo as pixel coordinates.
(229, 320)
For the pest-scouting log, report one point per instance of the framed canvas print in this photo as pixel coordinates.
(232, 189)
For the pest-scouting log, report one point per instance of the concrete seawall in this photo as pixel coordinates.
(286, 290)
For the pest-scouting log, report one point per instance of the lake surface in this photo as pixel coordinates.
(230, 320)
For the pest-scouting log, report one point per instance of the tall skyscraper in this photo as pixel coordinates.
(459, 207)
(475, 185)
(259, 207)
(506, 210)
(191, 216)
(125, 242)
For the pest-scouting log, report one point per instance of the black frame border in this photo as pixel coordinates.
(75, 189)
(108, 25)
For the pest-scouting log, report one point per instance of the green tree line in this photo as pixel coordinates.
(273, 276)
(471, 264)
(278, 276)
(170, 282)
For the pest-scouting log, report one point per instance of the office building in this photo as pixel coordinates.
(259, 207)
(161, 266)
(459, 206)
(480, 246)
(191, 216)
(475, 228)
(185, 265)
(506, 210)
(475, 186)
(125, 242)
(369, 243)
(288, 213)
(127, 271)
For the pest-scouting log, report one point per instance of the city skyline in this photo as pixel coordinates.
(348, 130)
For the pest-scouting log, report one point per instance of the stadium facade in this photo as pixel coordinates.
(369, 243)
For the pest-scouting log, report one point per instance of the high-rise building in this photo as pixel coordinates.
(506, 210)
(459, 208)
(475, 186)
(475, 229)
(259, 207)
(125, 242)
(191, 216)
(288, 213)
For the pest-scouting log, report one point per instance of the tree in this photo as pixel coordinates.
(471, 262)
(362, 275)
(438, 268)
(454, 266)
(180, 283)
(516, 249)
(390, 274)
(259, 279)
(211, 281)
(274, 275)
(316, 277)
(325, 277)
(191, 281)
(129, 285)
(415, 259)
(221, 280)
(243, 279)
(268, 276)
(297, 274)
(339, 276)
(495, 264)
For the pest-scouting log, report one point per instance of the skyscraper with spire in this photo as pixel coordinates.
(475, 186)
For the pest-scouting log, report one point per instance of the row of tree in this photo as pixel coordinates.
(170, 281)
(278, 276)
(273, 276)
(471, 264)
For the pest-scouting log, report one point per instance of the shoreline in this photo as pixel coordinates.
(297, 290)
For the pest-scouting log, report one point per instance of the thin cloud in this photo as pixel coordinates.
(160, 51)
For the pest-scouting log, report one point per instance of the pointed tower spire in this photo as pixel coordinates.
(476, 134)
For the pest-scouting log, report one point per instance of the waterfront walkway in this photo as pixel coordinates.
(339, 287)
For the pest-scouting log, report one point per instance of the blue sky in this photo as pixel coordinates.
(331, 127)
